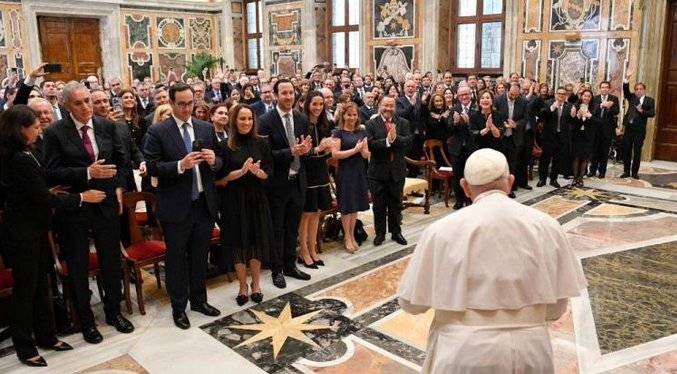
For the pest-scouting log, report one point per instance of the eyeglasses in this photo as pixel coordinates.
(184, 105)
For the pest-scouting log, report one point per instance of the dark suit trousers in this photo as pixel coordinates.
(510, 153)
(551, 153)
(415, 153)
(387, 202)
(186, 259)
(600, 154)
(633, 139)
(458, 164)
(286, 208)
(74, 244)
(523, 159)
(30, 308)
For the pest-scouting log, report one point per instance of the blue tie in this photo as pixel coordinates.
(188, 143)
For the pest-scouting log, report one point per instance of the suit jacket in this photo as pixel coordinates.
(23, 94)
(632, 114)
(163, 149)
(39, 150)
(520, 115)
(388, 163)
(460, 138)
(413, 113)
(608, 117)
(143, 112)
(366, 113)
(259, 108)
(549, 118)
(271, 126)
(29, 204)
(66, 161)
(209, 96)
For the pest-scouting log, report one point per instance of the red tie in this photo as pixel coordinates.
(87, 143)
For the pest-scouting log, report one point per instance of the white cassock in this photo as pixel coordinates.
(494, 273)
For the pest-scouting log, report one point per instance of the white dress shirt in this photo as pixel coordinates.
(191, 132)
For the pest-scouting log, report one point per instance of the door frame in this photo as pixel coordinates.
(109, 24)
(665, 56)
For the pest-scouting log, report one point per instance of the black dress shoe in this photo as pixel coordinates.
(36, 362)
(205, 309)
(540, 183)
(181, 320)
(296, 273)
(241, 299)
(527, 187)
(278, 280)
(91, 335)
(555, 183)
(590, 175)
(624, 175)
(319, 263)
(399, 239)
(379, 239)
(635, 176)
(302, 262)
(257, 297)
(120, 323)
(511, 195)
(601, 176)
(458, 205)
(59, 346)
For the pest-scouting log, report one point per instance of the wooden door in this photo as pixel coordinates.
(666, 135)
(72, 42)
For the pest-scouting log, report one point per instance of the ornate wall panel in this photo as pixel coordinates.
(321, 25)
(533, 16)
(531, 58)
(283, 38)
(287, 63)
(395, 61)
(201, 33)
(284, 28)
(13, 41)
(394, 18)
(575, 15)
(571, 62)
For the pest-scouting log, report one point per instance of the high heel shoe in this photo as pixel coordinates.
(60, 346)
(241, 299)
(302, 262)
(37, 361)
(319, 263)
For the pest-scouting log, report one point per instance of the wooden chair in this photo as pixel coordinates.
(141, 252)
(431, 147)
(333, 210)
(418, 184)
(61, 268)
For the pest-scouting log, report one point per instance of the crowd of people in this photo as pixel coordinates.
(256, 156)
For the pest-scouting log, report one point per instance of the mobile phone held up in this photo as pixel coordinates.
(53, 68)
(198, 144)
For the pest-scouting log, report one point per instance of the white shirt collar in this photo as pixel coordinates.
(282, 113)
(180, 123)
(79, 125)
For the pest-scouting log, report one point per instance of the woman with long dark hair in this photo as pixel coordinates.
(137, 124)
(486, 124)
(437, 119)
(583, 126)
(27, 219)
(318, 194)
(245, 213)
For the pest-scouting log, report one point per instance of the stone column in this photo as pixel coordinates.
(228, 44)
(510, 37)
(431, 26)
(309, 35)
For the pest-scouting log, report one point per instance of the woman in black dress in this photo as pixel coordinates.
(485, 124)
(137, 124)
(27, 219)
(437, 119)
(318, 194)
(246, 224)
(583, 127)
(352, 189)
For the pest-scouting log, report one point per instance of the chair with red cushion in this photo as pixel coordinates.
(432, 147)
(141, 252)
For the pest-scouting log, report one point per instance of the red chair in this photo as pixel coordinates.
(431, 147)
(141, 252)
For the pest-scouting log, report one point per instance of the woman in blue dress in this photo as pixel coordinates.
(352, 191)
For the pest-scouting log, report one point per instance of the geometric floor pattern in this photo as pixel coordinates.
(346, 319)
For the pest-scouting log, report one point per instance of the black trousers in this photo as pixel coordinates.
(551, 153)
(387, 202)
(633, 139)
(31, 312)
(510, 152)
(186, 259)
(523, 159)
(415, 153)
(74, 244)
(286, 208)
(600, 154)
(459, 167)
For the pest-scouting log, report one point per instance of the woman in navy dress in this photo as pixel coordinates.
(352, 189)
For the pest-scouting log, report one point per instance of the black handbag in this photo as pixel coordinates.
(360, 234)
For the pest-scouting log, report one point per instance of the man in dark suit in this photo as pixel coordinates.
(160, 97)
(411, 108)
(459, 143)
(389, 141)
(84, 152)
(287, 132)
(144, 103)
(180, 152)
(368, 109)
(513, 107)
(267, 102)
(217, 93)
(474, 94)
(115, 92)
(608, 108)
(640, 109)
(555, 136)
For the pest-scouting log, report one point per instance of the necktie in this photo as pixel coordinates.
(57, 112)
(289, 129)
(603, 101)
(559, 118)
(87, 143)
(188, 143)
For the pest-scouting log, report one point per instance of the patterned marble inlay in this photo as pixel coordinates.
(201, 33)
(570, 62)
(411, 329)
(600, 234)
(170, 32)
(633, 295)
(285, 27)
(122, 364)
(557, 206)
(367, 291)
(138, 31)
(575, 15)
(613, 210)
(393, 18)
(531, 58)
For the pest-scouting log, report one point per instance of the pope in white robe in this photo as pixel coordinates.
(494, 273)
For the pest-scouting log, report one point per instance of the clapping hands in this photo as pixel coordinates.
(302, 146)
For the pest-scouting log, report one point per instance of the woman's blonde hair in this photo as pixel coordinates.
(345, 107)
(159, 111)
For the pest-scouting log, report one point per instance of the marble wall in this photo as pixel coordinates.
(156, 41)
(283, 40)
(238, 35)
(13, 41)
(565, 41)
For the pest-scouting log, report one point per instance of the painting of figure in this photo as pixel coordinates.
(393, 18)
(394, 61)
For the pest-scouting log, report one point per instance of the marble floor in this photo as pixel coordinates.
(346, 319)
